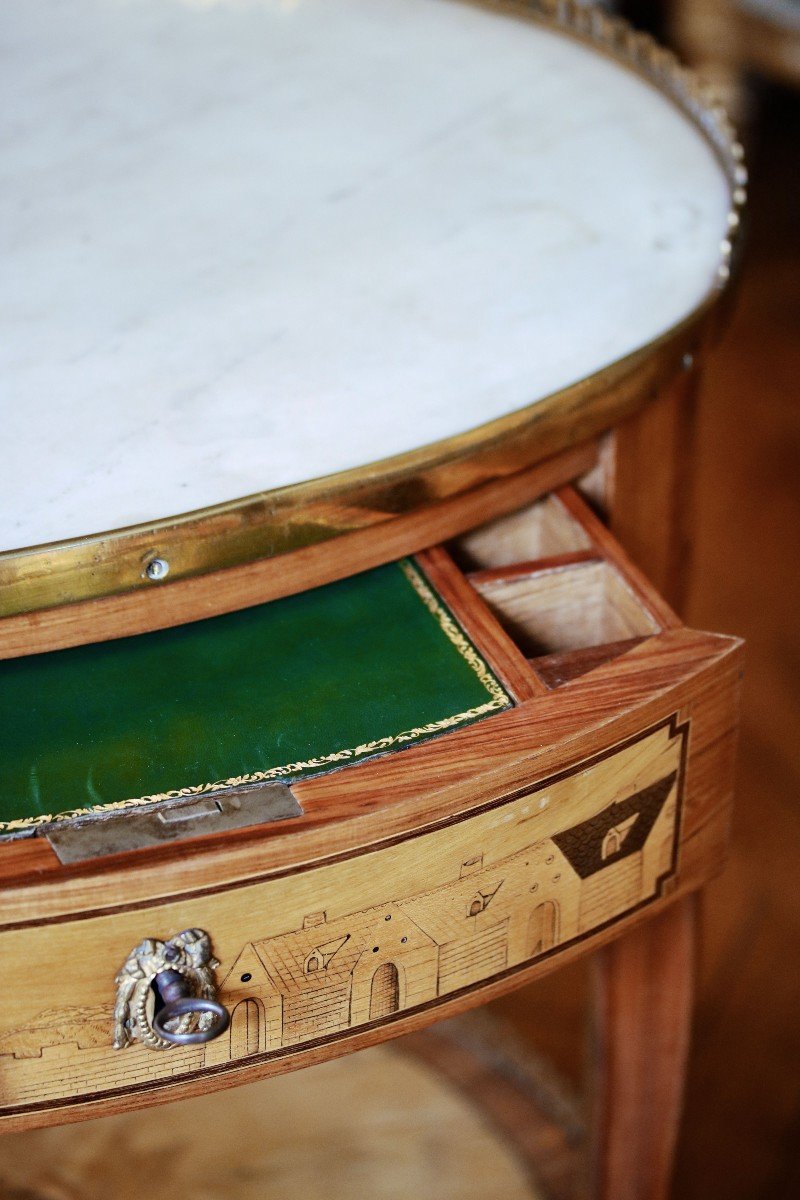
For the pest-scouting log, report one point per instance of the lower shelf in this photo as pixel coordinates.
(459, 1112)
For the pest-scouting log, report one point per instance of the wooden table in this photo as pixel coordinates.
(514, 753)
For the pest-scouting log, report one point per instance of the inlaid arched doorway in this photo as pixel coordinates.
(384, 996)
(245, 1029)
(542, 928)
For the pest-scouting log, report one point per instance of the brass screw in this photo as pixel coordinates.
(157, 568)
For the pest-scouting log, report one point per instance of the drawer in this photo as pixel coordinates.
(583, 780)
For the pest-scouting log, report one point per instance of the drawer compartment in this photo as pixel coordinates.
(560, 608)
(567, 596)
(540, 531)
(437, 866)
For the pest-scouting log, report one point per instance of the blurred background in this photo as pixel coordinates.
(741, 1131)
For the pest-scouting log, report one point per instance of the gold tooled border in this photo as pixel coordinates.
(449, 626)
(453, 631)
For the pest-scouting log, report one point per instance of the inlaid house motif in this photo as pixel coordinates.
(486, 913)
(333, 975)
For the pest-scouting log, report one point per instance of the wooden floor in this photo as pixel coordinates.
(741, 1133)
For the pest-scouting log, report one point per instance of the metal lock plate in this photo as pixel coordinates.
(195, 816)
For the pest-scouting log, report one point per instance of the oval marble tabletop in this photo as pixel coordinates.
(248, 243)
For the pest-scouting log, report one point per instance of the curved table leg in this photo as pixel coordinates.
(642, 1014)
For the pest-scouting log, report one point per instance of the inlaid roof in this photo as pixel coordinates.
(583, 844)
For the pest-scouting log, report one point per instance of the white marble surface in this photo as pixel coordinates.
(249, 242)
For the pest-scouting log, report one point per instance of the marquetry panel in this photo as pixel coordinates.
(366, 938)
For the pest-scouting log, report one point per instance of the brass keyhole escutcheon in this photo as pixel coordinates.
(167, 993)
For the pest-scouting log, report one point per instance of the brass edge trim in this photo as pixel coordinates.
(276, 522)
(452, 631)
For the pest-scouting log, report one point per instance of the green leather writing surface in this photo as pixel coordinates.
(286, 689)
